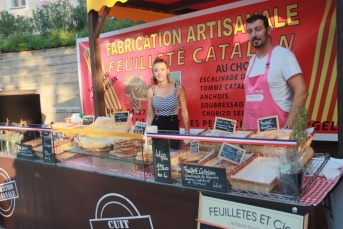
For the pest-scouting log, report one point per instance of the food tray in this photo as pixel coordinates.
(185, 156)
(273, 134)
(207, 146)
(258, 149)
(311, 173)
(215, 161)
(59, 147)
(68, 125)
(182, 156)
(256, 174)
(175, 164)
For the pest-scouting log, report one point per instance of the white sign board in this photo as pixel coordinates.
(234, 215)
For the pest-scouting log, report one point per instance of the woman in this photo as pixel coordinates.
(165, 98)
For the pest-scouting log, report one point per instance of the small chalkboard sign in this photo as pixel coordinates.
(224, 124)
(231, 153)
(122, 116)
(48, 155)
(140, 128)
(268, 123)
(87, 120)
(25, 152)
(204, 177)
(194, 147)
(57, 136)
(162, 161)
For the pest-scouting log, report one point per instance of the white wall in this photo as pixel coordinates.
(27, 10)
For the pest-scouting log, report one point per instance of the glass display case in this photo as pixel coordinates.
(76, 146)
(106, 149)
(248, 161)
(240, 163)
(24, 142)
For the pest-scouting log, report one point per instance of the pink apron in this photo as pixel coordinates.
(259, 103)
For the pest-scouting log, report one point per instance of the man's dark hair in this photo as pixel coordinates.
(256, 17)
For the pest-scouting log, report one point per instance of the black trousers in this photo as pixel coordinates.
(168, 124)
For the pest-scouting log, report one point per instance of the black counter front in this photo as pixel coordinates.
(60, 183)
(46, 196)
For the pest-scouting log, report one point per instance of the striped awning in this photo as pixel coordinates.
(121, 12)
(97, 5)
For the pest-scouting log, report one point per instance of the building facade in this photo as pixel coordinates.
(25, 7)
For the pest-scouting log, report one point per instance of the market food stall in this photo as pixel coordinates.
(70, 166)
(64, 180)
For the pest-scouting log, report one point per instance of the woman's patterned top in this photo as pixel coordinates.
(166, 106)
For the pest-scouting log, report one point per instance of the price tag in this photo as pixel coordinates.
(231, 153)
(194, 147)
(25, 152)
(268, 123)
(87, 120)
(204, 177)
(48, 155)
(140, 128)
(122, 116)
(162, 161)
(224, 124)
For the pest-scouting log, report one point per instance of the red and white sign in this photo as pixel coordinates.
(208, 51)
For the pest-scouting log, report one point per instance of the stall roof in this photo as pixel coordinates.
(151, 10)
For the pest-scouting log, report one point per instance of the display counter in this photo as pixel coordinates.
(78, 179)
(76, 146)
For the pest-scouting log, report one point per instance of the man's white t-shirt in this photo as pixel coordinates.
(283, 65)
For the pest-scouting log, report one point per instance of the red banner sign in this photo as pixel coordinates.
(208, 52)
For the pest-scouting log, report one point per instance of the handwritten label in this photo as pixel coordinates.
(121, 116)
(268, 123)
(204, 177)
(231, 153)
(194, 147)
(224, 124)
(25, 152)
(140, 128)
(87, 120)
(48, 155)
(162, 163)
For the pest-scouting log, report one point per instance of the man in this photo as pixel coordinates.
(274, 83)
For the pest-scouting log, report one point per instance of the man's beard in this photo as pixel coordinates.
(260, 45)
(257, 46)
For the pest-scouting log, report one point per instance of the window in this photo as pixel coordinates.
(18, 3)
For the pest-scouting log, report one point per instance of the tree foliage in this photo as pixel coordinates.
(55, 23)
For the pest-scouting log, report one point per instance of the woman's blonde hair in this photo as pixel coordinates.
(156, 61)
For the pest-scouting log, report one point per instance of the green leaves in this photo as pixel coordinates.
(50, 16)
(299, 132)
(290, 161)
(53, 24)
